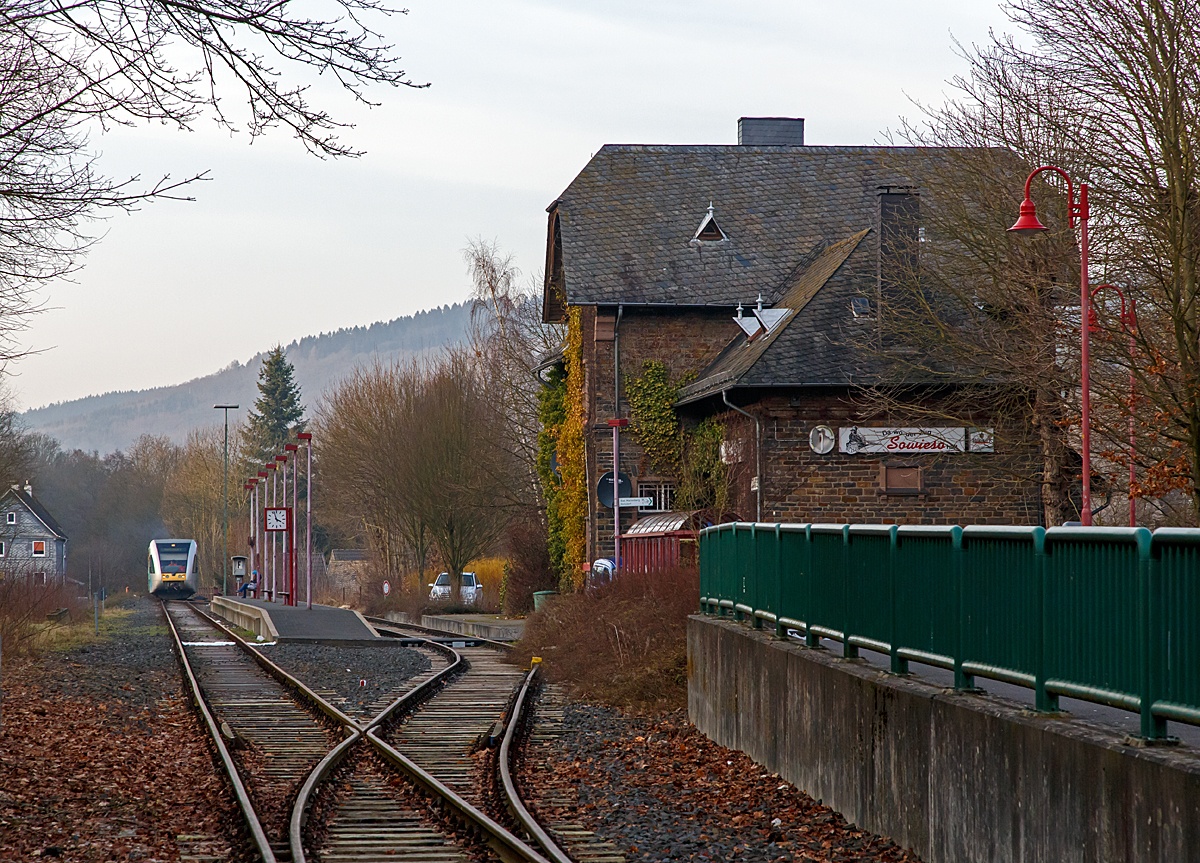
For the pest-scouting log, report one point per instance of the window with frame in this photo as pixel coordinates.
(12, 518)
(661, 492)
(901, 478)
(39, 548)
(1, 548)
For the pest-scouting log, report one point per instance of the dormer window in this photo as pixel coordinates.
(709, 231)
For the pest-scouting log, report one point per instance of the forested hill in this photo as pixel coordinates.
(112, 421)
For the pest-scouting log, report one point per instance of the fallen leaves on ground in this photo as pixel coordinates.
(87, 777)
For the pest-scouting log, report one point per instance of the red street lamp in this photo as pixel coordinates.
(273, 467)
(1128, 324)
(307, 438)
(289, 449)
(1028, 225)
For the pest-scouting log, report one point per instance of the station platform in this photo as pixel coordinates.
(322, 624)
(490, 626)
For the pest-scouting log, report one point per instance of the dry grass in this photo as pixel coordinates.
(24, 628)
(490, 572)
(624, 645)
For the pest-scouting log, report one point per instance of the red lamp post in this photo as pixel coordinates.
(616, 426)
(1028, 224)
(1128, 324)
(290, 449)
(272, 466)
(307, 438)
(286, 562)
(261, 545)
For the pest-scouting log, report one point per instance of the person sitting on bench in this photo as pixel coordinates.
(252, 584)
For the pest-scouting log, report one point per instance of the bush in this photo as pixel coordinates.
(529, 568)
(625, 644)
(23, 609)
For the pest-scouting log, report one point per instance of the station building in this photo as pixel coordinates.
(752, 272)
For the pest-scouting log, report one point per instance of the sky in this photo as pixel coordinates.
(280, 244)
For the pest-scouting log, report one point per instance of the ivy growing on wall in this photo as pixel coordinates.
(655, 424)
(551, 413)
(691, 457)
(704, 481)
(573, 497)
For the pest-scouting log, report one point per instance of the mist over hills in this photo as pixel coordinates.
(112, 421)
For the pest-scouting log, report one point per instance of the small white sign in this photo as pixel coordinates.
(899, 441)
(981, 440)
(387, 588)
(636, 501)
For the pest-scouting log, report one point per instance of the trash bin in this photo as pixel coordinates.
(540, 597)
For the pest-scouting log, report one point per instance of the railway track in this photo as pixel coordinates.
(318, 784)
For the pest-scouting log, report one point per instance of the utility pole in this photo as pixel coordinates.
(225, 550)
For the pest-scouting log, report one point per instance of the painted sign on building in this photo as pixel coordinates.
(901, 441)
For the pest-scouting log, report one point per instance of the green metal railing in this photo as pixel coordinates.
(1110, 615)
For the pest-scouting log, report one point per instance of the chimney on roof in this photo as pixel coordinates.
(771, 131)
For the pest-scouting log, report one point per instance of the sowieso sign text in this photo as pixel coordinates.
(856, 439)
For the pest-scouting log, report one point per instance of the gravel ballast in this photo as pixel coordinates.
(343, 670)
(659, 790)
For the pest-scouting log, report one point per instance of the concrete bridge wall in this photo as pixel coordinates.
(957, 778)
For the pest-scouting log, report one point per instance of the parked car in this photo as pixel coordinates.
(472, 590)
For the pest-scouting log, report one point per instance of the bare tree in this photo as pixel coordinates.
(68, 68)
(364, 425)
(194, 508)
(459, 474)
(508, 340)
(1109, 90)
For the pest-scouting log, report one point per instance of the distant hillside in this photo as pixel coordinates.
(114, 420)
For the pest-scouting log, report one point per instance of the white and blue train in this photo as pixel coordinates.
(173, 568)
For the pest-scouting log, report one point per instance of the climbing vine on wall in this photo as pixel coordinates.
(691, 456)
(655, 424)
(704, 480)
(573, 496)
(551, 414)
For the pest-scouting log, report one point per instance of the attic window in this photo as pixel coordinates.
(12, 518)
(709, 231)
(860, 307)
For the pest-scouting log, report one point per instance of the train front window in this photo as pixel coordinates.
(171, 565)
(173, 557)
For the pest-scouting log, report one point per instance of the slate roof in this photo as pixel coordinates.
(627, 221)
(40, 513)
(805, 347)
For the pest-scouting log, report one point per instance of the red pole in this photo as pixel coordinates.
(307, 438)
(616, 502)
(1132, 402)
(1028, 223)
(1085, 381)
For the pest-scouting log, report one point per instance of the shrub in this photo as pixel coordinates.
(23, 609)
(530, 566)
(625, 644)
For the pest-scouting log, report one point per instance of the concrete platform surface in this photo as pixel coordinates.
(490, 626)
(313, 626)
(480, 625)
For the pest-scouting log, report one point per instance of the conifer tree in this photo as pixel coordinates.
(277, 413)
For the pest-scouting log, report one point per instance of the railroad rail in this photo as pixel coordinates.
(561, 841)
(311, 778)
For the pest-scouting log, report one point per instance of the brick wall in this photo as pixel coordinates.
(800, 486)
(797, 484)
(685, 340)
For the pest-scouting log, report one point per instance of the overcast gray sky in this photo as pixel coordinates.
(280, 244)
